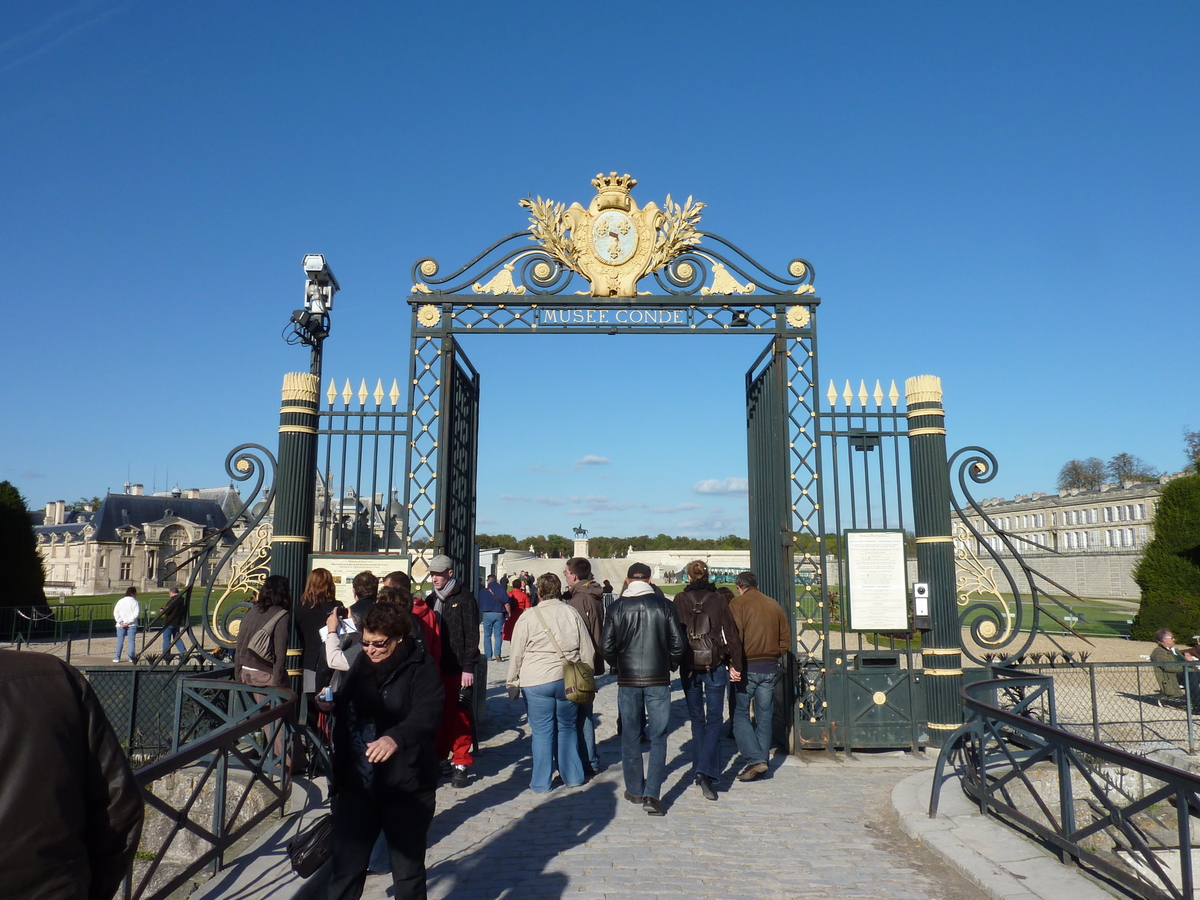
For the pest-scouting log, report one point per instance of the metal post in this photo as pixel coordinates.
(935, 551)
(295, 488)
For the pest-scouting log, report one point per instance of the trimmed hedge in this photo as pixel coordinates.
(1169, 571)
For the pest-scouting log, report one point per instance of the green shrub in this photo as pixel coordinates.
(1168, 573)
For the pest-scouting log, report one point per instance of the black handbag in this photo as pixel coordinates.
(309, 850)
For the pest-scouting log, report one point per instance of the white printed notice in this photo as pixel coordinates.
(877, 593)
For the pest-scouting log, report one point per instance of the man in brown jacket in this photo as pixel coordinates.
(764, 631)
(585, 596)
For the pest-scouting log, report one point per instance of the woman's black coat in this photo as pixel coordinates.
(405, 705)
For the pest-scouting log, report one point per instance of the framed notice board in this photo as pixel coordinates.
(876, 589)
(344, 566)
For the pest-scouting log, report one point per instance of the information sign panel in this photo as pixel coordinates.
(344, 566)
(876, 589)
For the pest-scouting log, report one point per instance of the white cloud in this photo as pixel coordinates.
(591, 460)
(513, 499)
(538, 467)
(727, 486)
(681, 507)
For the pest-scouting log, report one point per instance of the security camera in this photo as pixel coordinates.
(322, 285)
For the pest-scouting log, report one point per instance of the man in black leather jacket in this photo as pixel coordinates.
(643, 641)
(70, 810)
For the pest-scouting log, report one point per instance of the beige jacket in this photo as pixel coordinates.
(533, 659)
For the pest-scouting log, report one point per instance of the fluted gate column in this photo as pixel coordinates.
(941, 648)
(295, 486)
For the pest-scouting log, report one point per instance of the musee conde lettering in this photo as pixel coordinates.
(612, 316)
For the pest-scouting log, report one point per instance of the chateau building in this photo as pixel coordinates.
(1087, 540)
(131, 540)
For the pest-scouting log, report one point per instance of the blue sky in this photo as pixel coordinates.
(1004, 195)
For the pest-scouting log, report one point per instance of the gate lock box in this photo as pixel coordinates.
(921, 618)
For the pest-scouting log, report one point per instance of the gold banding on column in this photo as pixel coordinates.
(943, 671)
(297, 429)
(939, 727)
(940, 651)
(288, 538)
(301, 387)
(935, 539)
(916, 432)
(306, 410)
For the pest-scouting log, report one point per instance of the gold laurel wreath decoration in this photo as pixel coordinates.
(677, 232)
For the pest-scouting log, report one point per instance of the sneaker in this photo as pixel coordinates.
(653, 807)
(752, 771)
(116, 660)
(459, 779)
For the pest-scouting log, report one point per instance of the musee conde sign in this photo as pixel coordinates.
(619, 316)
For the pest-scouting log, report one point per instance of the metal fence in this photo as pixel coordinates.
(1126, 817)
(1118, 704)
(85, 623)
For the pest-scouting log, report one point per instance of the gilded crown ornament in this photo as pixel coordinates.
(612, 243)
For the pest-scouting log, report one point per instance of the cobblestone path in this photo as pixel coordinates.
(814, 828)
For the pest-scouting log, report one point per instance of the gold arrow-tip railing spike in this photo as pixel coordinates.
(862, 393)
(893, 394)
(832, 395)
(878, 394)
(347, 393)
(332, 392)
(378, 391)
(847, 394)
(362, 393)
(394, 395)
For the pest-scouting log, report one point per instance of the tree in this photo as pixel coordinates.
(1127, 467)
(84, 503)
(1082, 474)
(1191, 443)
(1168, 573)
(22, 577)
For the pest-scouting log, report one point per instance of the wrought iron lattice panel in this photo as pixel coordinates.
(360, 438)
(460, 429)
(424, 404)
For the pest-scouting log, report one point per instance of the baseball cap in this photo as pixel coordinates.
(638, 570)
(441, 563)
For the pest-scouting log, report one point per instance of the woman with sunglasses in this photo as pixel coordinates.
(384, 769)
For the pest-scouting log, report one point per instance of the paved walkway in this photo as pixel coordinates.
(814, 828)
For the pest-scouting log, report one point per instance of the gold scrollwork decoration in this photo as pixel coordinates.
(248, 575)
(724, 283)
(977, 581)
(501, 283)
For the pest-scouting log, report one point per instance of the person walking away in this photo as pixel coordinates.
(713, 641)
(384, 767)
(518, 603)
(271, 614)
(643, 641)
(764, 632)
(584, 596)
(460, 655)
(126, 613)
(535, 665)
(172, 621)
(494, 608)
(70, 809)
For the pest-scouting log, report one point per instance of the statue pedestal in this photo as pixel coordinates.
(581, 547)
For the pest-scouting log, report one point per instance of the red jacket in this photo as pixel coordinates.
(431, 628)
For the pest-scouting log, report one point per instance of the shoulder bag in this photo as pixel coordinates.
(262, 644)
(579, 682)
(309, 850)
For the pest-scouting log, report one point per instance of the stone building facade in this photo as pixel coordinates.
(1087, 540)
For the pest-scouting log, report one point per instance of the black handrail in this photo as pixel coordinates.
(213, 751)
(996, 747)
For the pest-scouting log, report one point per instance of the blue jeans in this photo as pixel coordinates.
(131, 631)
(169, 633)
(705, 695)
(493, 629)
(754, 741)
(587, 736)
(655, 702)
(555, 725)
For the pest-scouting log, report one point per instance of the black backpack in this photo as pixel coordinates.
(700, 638)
